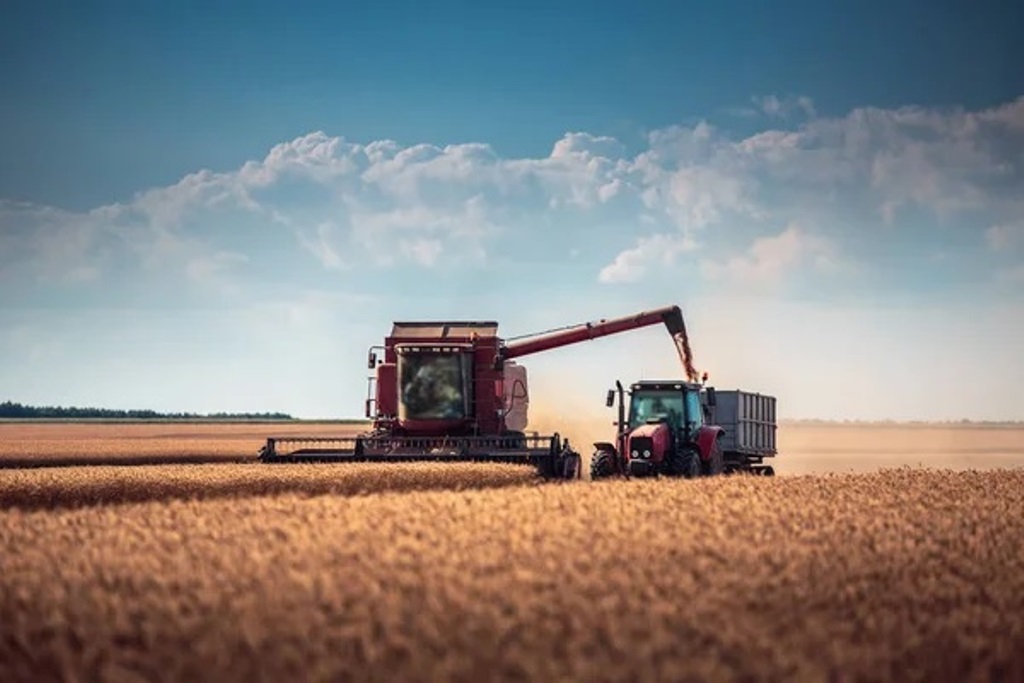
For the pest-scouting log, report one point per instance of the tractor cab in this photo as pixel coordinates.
(677, 404)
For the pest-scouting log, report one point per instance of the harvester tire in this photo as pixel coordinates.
(562, 466)
(602, 464)
(715, 464)
(684, 462)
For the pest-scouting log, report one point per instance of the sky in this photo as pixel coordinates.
(214, 208)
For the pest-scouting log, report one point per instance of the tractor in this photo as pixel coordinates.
(671, 430)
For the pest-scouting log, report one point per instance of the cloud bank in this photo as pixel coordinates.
(812, 197)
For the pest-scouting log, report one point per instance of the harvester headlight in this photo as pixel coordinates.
(647, 454)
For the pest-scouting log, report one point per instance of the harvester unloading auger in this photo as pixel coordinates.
(452, 391)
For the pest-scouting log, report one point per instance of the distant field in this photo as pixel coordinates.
(902, 575)
(803, 448)
(97, 442)
(862, 448)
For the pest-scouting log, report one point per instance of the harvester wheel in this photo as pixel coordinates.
(715, 464)
(602, 465)
(565, 465)
(683, 462)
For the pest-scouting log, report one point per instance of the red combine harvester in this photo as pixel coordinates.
(685, 429)
(452, 391)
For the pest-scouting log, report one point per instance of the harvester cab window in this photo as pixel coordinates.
(432, 386)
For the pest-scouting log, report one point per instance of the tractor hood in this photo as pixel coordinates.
(649, 442)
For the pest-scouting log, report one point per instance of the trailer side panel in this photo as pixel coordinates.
(749, 422)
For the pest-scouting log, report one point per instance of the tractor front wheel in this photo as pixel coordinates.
(602, 465)
(683, 462)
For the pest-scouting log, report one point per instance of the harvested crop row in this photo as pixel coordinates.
(903, 575)
(79, 486)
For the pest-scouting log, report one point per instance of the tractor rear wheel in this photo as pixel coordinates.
(715, 464)
(683, 462)
(602, 465)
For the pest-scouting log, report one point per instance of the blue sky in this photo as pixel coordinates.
(221, 209)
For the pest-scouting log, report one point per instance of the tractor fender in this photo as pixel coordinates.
(706, 437)
(604, 446)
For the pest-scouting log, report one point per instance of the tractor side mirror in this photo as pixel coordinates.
(711, 396)
(372, 361)
(609, 400)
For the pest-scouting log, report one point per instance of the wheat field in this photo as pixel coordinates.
(28, 444)
(424, 572)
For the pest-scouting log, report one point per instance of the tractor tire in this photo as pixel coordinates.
(715, 464)
(684, 462)
(602, 465)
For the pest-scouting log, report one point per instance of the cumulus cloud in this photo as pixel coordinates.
(784, 107)
(769, 259)
(856, 178)
(633, 264)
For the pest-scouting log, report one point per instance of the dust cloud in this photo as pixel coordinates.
(582, 427)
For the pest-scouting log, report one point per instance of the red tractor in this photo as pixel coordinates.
(671, 430)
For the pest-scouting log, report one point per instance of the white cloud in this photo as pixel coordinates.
(784, 107)
(321, 245)
(422, 251)
(210, 268)
(770, 259)
(634, 263)
(338, 203)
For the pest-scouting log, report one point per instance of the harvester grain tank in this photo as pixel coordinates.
(453, 391)
(686, 429)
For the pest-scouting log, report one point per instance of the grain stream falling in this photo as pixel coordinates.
(904, 574)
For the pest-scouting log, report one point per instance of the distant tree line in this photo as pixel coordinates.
(9, 409)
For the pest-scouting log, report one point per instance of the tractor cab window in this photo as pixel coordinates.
(694, 410)
(654, 405)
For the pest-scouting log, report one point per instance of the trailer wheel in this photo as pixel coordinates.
(715, 464)
(684, 462)
(601, 464)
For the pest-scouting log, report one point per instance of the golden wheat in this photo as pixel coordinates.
(905, 574)
(50, 488)
(70, 443)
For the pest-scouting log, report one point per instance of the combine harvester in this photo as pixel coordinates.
(452, 391)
